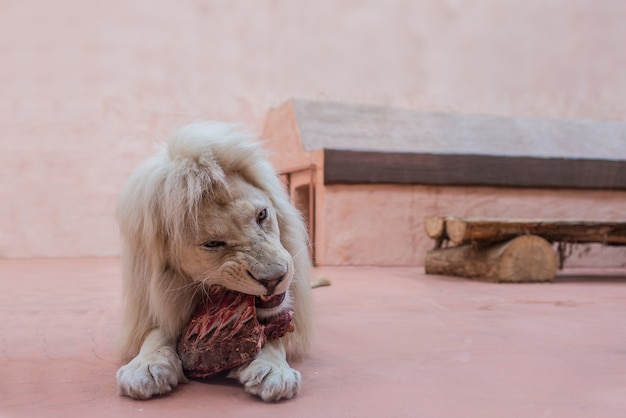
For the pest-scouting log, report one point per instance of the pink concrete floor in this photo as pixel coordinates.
(391, 342)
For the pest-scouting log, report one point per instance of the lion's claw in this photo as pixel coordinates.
(269, 381)
(151, 375)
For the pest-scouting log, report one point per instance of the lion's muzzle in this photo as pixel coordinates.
(270, 277)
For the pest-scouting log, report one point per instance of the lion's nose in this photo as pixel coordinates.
(270, 279)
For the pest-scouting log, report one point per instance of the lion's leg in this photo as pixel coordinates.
(156, 370)
(269, 375)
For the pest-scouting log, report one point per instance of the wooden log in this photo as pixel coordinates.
(435, 226)
(527, 258)
(463, 231)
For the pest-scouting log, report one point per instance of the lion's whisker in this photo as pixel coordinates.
(183, 287)
(305, 248)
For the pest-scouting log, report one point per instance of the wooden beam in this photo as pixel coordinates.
(369, 167)
(463, 231)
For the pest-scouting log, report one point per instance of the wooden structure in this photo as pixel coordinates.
(365, 175)
(513, 250)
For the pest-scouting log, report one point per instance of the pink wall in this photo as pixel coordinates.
(88, 87)
(384, 224)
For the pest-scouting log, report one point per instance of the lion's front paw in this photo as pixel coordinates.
(151, 374)
(269, 381)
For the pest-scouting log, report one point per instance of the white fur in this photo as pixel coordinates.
(160, 213)
(269, 375)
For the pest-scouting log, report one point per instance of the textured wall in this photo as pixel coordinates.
(384, 224)
(88, 87)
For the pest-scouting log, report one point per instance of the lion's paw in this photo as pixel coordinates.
(271, 382)
(151, 374)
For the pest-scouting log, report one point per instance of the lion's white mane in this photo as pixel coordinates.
(159, 205)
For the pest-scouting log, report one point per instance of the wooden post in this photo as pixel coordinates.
(527, 258)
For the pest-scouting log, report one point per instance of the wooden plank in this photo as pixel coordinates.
(370, 167)
(463, 231)
(526, 258)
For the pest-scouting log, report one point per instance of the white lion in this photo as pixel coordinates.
(208, 209)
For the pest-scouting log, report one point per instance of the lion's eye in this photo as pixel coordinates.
(214, 244)
(262, 215)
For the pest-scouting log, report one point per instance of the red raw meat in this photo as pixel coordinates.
(224, 333)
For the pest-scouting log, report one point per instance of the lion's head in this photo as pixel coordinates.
(209, 209)
(236, 244)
